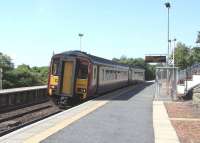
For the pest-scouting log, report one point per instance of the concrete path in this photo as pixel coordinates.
(163, 129)
(124, 119)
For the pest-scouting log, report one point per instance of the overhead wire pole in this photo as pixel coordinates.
(174, 52)
(170, 49)
(174, 76)
(167, 4)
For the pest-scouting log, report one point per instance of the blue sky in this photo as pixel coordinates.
(30, 30)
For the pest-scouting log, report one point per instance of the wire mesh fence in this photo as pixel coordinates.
(166, 79)
(169, 78)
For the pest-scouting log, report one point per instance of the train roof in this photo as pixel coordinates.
(95, 59)
(92, 58)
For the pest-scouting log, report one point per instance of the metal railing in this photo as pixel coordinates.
(19, 97)
(187, 73)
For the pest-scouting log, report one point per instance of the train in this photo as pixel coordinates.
(77, 75)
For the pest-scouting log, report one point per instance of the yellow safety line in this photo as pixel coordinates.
(43, 135)
(69, 120)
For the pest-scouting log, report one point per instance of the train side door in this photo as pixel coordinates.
(67, 86)
(95, 76)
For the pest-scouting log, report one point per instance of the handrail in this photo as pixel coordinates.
(21, 89)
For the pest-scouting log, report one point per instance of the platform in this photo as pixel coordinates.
(121, 116)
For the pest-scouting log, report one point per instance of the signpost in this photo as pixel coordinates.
(155, 59)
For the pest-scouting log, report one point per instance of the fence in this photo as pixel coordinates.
(189, 71)
(19, 97)
(166, 79)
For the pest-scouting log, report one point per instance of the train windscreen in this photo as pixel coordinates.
(83, 72)
(55, 66)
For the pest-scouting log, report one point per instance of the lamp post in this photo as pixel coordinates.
(174, 77)
(167, 4)
(174, 52)
(80, 35)
(170, 49)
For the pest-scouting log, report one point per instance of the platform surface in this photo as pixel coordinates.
(124, 115)
(126, 118)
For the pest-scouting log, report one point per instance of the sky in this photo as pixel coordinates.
(31, 30)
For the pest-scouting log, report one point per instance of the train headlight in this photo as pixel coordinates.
(52, 86)
(82, 90)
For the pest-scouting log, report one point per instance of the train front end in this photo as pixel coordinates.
(68, 79)
(53, 77)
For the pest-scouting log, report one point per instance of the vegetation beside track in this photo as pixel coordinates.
(23, 75)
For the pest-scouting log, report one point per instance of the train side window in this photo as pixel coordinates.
(111, 72)
(106, 74)
(102, 74)
(95, 73)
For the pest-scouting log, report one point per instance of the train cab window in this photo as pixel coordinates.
(83, 71)
(55, 67)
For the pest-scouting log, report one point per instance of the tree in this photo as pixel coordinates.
(24, 75)
(183, 56)
(195, 52)
(150, 71)
(5, 62)
(198, 38)
(6, 65)
(42, 73)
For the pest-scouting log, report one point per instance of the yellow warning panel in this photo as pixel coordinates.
(81, 83)
(54, 80)
(67, 78)
(81, 87)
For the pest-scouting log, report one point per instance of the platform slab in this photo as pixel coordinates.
(124, 115)
(126, 118)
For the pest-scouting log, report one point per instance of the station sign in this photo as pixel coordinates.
(155, 59)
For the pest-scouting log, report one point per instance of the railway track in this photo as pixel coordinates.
(24, 114)
(15, 119)
(20, 107)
